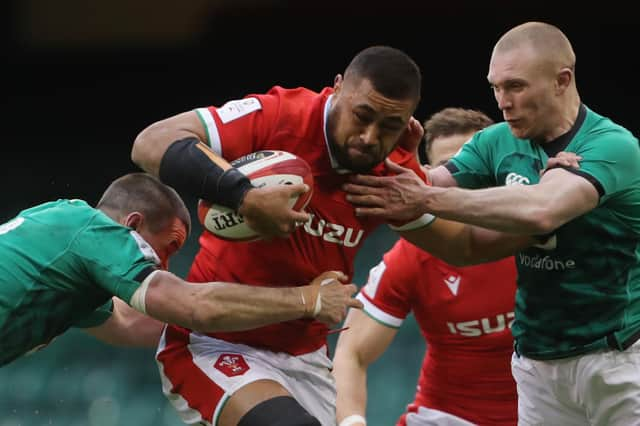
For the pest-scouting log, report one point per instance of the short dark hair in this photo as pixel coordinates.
(391, 72)
(144, 193)
(452, 121)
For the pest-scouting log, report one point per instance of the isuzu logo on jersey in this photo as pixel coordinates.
(482, 326)
(332, 232)
(231, 364)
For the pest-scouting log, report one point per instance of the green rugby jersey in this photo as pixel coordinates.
(60, 263)
(584, 293)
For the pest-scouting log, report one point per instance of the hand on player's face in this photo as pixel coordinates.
(411, 137)
(397, 198)
(266, 210)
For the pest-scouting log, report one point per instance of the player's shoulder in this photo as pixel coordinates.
(294, 104)
(294, 96)
(598, 127)
(495, 132)
(60, 208)
(406, 253)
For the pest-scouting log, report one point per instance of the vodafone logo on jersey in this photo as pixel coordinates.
(231, 365)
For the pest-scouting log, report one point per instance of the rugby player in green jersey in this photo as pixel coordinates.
(577, 317)
(65, 263)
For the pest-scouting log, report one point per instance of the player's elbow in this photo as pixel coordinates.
(541, 220)
(140, 148)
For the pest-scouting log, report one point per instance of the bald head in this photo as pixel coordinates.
(546, 41)
(532, 75)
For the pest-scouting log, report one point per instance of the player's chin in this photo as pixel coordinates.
(362, 163)
(519, 131)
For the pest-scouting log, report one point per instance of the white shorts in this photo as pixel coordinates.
(199, 378)
(431, 417)
(600, 388)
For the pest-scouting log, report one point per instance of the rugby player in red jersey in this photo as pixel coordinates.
(464, 314)
(255, 376)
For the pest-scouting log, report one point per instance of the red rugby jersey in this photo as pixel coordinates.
(292, 120)
(465, 315)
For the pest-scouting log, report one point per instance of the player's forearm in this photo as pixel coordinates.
(351, 385)
(517, 209)
(462, 245)
(234, 307)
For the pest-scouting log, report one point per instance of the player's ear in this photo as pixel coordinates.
(563, 79)
(133, 220)
(337, 82)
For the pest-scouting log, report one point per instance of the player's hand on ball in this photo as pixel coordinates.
(267, 210)
(327, 298)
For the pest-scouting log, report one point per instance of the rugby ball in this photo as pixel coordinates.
(263, 168)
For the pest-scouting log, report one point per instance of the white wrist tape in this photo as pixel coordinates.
(353, 419)
(423, 220)
(137, 301)
(318, 306)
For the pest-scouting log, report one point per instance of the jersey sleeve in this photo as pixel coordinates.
(116, 259)
(610, 162)
(471, 167)
(240, 126)
(387, 295)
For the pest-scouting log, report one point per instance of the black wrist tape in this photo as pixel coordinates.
(188, 169)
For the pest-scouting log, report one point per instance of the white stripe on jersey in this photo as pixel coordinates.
(145, 248)
(373, 280)
(378, 314)
(212, 130)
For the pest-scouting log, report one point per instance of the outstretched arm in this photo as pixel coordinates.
(400, 198)
(521, 209)
(357, 347)
(221, 306)
(462, 245)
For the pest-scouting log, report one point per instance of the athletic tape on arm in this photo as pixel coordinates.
(423, 220)
(137, 301)
(353, 419)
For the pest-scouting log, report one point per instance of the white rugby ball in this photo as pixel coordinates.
(263, 168)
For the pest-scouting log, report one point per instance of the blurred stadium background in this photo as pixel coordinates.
(82, 78)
